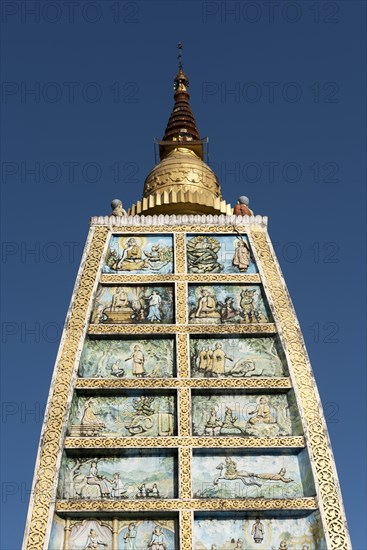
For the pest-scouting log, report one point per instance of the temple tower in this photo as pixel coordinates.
(183, 413)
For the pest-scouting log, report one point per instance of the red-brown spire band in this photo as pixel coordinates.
(181, 125)
(181, 129)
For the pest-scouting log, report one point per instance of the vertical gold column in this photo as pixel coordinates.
(183, 356)
(184, 411)
(186, 526)
(181, 303)
(67, 530)
(41, 505)
(327, 487)
(185, 472)
(184, 396)
(115, 532)
(180, 259)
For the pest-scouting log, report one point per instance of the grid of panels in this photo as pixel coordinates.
(185, 442)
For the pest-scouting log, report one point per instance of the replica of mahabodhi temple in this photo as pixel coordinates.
(183, 413)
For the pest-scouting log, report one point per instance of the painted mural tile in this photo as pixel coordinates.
(236, 357)
(236, 474)
(224, 414)
(227, 304)
(145, 254)
(133, 533)
(148, 304)
(128, 358)
(154, 534)
(138, 474)
(261, 532)
(84, 534)
(141, 413)
(219, 254)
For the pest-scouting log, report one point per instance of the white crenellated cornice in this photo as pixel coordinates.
(120, 221)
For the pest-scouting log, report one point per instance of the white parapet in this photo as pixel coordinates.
(173, 219)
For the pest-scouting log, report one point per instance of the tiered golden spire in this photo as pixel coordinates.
(181, 125)
(181, 183)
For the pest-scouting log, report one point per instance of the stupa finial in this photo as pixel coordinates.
(181, 130)
(181, 183)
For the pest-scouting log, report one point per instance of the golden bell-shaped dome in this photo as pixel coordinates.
(181, 183)
(183, 167)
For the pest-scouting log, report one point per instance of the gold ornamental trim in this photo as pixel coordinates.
(310, 407)
(208, 383)
(170, 505)
(291, 442)
(180, 254)
(184, 406)
(52, 439)
(178, 277)
(183, 366)
(186, 527)
(111, 329)
(187, 200)
(180, 228)
(181, 302)
(184, 457)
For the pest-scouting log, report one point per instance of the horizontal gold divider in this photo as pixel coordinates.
(163, 383)
(110, 279)
(168, 505)
(183, 227)
(186, 441)
(255, 328)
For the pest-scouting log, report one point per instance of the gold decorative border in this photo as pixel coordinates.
(163, 383)
(183, 358)
(168, 505)
(184, 411)
(180, 254)
(184, 456)
(306, 392)
(111, 279)
(209, 228)
(111, 329)
(186, 527)
(291, 442)
(181, 302)
(45, 474)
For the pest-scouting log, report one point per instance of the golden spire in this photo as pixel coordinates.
(181, 183)
(181, 125)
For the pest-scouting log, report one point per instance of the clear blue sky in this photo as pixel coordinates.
(290, 136)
